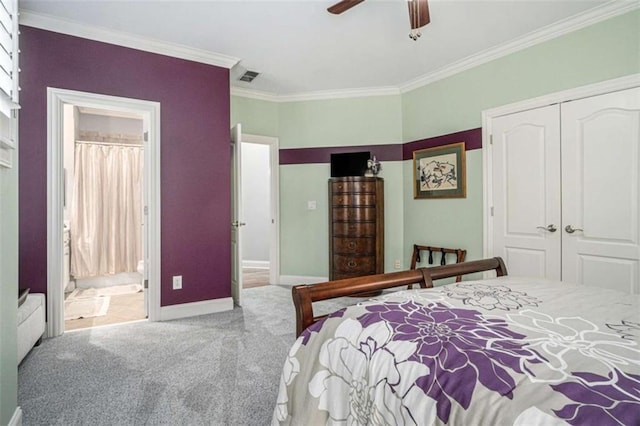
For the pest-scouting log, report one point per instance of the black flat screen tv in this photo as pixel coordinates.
(349, 164)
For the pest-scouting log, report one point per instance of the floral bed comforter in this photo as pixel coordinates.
(506, 351)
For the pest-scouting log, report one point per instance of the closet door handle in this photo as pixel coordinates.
(570, 229)
(550, 228)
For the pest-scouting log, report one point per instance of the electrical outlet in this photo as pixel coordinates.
(311, 205)
(396, 264)
(177, 282)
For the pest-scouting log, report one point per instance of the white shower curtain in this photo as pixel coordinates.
(106, 210)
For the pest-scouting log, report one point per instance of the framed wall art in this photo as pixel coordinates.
(440, 172)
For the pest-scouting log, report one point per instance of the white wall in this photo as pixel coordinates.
(256, 177)
(107, 124)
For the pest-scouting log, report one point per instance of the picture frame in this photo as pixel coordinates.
(440, 172)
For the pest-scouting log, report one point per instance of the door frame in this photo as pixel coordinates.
(56, 99)
(488, 115)
(274, 164)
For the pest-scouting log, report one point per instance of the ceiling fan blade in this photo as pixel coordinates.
(343, 6)
(418, 13)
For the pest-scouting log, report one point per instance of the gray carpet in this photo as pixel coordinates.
(218, 369)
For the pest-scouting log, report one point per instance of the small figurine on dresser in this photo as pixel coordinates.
(373, 167)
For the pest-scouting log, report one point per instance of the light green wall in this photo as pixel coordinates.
(452, 223)
(600, 52)
(8, 290)
(257, 117)
(370, 120)
(304, 234)
(604, 51)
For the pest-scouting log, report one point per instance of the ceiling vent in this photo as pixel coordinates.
(249, 76)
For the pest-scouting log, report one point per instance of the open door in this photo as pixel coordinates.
(236, 215)
(145, 216)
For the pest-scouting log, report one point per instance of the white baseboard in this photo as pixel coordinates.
(301, 279)
(259, 264)
(193, 309)
(16, 420)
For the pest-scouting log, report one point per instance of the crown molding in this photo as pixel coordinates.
(254, 94)
(593, 16)
(58, 25)
(560, 28)
(315, 96)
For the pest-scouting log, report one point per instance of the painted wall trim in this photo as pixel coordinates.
(257, 264)
(558, 29)
(301, 279)
(595, 89)
(387, 152)
(63, 26)
(16, 419)
(193, 309)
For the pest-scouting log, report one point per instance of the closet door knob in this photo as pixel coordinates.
(570, 229)
(550, 228)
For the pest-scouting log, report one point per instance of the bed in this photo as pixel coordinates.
(497, 351)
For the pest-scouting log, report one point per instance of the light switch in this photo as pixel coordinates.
(311, 205)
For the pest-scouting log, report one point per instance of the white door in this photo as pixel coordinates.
(236, 215)
(526, 192)
(145, 216)
(601, 190)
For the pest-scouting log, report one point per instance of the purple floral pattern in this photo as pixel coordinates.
(446, 354)
(317, 326)
(617, 401)
(452, 342)
(490, 297)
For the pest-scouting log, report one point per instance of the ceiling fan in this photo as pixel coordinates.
(418, 13)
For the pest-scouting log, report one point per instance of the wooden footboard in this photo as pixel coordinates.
(305, 295)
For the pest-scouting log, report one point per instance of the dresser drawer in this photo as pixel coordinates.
(354, 199)
(361, 246)
(354, 264)
(353, 186)
(354, 229)
(355, 214)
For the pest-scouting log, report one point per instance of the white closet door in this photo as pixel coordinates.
(526, 191)
(601, 190)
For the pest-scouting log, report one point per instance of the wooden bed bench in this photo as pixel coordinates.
(305, 295)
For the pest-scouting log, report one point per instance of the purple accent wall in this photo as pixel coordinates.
(390, 152)
(472, 139)
(195, 163)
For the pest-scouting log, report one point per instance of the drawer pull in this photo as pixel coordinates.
(352, 244)
(352, 264)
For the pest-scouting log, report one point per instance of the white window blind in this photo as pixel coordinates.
(8, 56)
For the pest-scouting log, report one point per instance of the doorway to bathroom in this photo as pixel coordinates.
(104, 215)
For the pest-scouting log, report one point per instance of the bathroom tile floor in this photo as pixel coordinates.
(123, 308)
(129, 307)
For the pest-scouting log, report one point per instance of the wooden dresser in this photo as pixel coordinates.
(356, 227)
